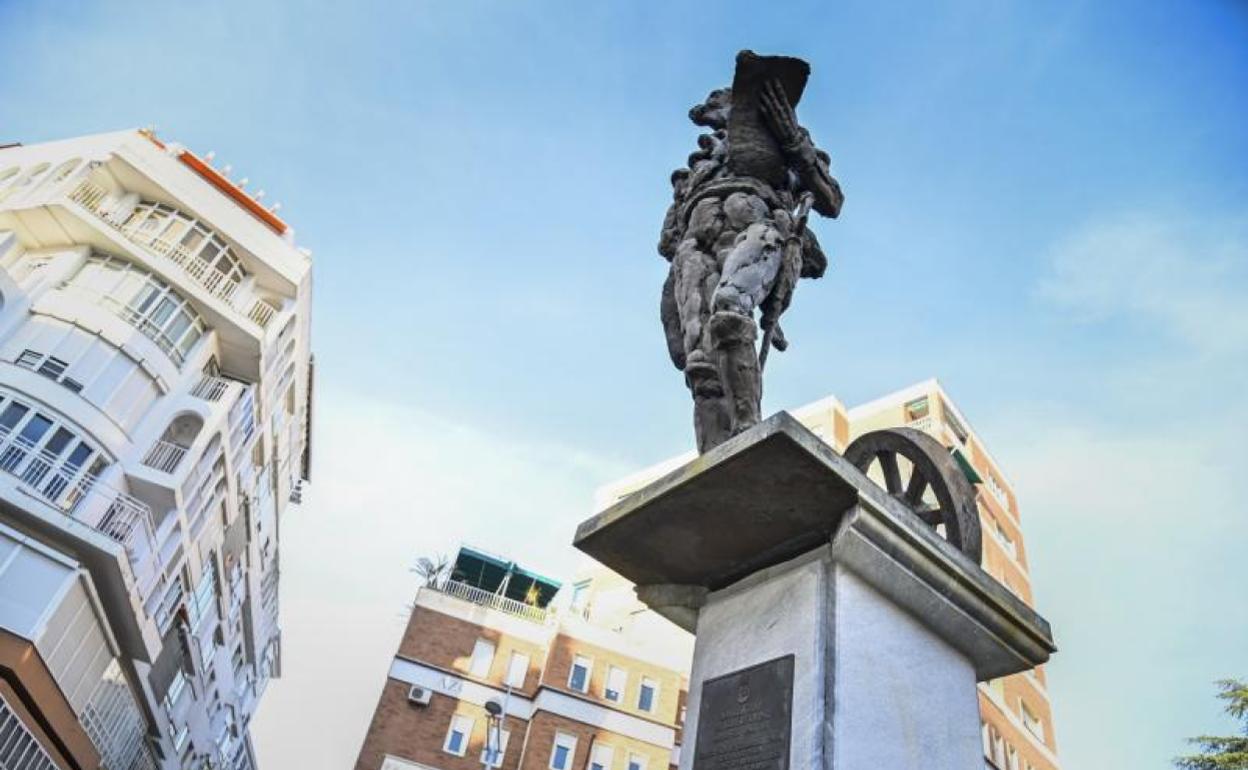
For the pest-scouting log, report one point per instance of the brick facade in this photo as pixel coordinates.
(559, 668)
(441, 645)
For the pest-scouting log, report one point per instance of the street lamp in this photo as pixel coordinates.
(493, 734)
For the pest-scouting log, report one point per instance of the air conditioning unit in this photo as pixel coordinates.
(419, 695)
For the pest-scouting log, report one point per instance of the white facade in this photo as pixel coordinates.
(155, 388)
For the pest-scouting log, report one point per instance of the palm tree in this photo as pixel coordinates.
(433, 571)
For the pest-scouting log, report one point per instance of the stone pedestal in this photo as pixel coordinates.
(835, 630)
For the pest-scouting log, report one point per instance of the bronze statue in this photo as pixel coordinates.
(737, 240)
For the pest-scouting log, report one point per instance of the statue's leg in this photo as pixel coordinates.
(748, 274)
(694, 272)
(712, 418)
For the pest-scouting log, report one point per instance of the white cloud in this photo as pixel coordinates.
(1188, 279)
(1131, 492)
(390, 484)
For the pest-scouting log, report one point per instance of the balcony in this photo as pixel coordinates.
(165, 456)
(211, 388)
(926, 424)
(493, 601)
(95, 199)
(84, 497)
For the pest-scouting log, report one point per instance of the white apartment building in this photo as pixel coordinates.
(155, 396)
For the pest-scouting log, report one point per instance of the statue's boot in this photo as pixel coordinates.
(733, 336)
(712, 419)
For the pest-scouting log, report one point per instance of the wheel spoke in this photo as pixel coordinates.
(916, 487)
(892, 475)
(930, 515)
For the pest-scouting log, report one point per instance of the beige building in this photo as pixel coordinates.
(580, 679)
(1016, 715)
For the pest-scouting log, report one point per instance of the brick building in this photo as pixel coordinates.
(584, 681)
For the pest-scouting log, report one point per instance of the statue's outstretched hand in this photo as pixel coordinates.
(774, 104)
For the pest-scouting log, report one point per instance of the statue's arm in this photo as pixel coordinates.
(669, 314)
(799, 150)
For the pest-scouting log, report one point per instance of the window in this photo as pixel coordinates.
(517, 669)
(50, 459)
(1031, 721)
(49, 366)
(998, 490)
(1011, 758)
(188, 242)
(955, 425)
(916, 409)
(176, 688)
(143, 301)
(180, 736)
(994, 746)
(1006, 541)
(636, 762)
(493, 755)
(561, 753)
(601, 757)
(482, 657)
(458, 734)
(578, 679)
(617, 678)
(580, 595)
(648, 695)
(53, 368)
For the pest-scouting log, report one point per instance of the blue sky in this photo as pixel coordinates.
(1047, 208)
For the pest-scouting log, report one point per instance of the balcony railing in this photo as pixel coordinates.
(93, 198)
(211, 388)
(262, 312)
(164, 456)
(926, 424)
(82, 496)
(493, 601)
(90, 196)
(217, 283)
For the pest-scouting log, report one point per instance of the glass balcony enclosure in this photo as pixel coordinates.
(144, 301)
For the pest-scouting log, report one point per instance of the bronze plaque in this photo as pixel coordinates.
(746, 718)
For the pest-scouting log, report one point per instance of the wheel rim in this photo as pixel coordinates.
(930, 467)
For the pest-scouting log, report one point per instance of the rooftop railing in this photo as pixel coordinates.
(493, 601)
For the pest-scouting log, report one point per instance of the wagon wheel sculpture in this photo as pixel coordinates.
(931, 466)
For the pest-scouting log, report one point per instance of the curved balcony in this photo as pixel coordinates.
(176, 236)
(144, 301)
(70, 487)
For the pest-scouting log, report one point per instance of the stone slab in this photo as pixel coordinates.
(776, 492)
(760, 498)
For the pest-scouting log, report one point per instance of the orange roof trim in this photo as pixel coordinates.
(218, 180)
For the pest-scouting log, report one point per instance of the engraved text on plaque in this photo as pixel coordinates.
(746, 718)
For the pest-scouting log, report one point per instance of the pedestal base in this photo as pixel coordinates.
(872, 686)
(774, 550)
